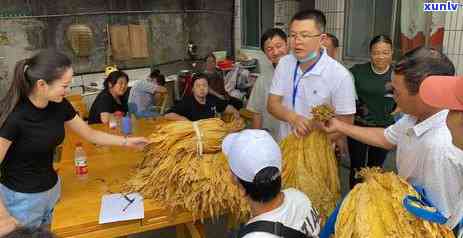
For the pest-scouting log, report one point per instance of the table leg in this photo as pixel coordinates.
(232, 223)
(196, 230)
(180, 231)
(201, 229)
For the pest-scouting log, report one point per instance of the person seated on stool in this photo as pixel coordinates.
(201, 105)
(144, 92)
(111, 99)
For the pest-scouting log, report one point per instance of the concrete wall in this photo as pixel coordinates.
(211, 32)
(168, 32)
(18, 39)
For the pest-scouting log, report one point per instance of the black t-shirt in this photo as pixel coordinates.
(34, 134)
(105, 102)
(193, 110)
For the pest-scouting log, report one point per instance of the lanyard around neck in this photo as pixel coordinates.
(297, 81)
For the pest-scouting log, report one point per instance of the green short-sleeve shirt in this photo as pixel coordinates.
(375, 102)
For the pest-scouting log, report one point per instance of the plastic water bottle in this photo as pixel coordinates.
(126, 125)
(80, 161)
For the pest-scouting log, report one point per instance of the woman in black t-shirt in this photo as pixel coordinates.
(201, 105)
(111, 99)
(34, 113)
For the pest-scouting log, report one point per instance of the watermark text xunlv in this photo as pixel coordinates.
(448, 6)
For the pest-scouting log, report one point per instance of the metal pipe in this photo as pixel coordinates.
(120, 12)
(140, 67)
(394, 19)
(233, 29)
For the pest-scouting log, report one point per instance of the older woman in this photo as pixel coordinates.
(374, 104)
(201, 105)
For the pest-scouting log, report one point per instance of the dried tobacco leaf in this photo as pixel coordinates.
(374, 208)
(177, 174)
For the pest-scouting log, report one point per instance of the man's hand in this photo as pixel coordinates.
(334, 136)
(236, 114)
(301, 125)
(232, 110)
(331, 126)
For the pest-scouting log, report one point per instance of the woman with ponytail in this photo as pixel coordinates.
(32, 119)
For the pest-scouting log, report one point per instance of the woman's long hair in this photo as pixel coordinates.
(47, 65)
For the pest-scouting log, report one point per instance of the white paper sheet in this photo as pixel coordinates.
(112, 206)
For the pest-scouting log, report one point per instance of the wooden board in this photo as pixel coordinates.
(138, 41)
(120, 42)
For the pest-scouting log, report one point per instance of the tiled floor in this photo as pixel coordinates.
(217, 229)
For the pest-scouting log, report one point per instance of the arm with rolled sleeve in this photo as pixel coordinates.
(343, 98)
(393, 132)
(280, 87)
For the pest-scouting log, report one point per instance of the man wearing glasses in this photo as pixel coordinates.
(309, 77)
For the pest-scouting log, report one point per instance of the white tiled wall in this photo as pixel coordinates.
(284, 11)
(334, 12)
(237, 25)
(453, 38)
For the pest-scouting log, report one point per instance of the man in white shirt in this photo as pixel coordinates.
(426, 156)
(273, 44)
(255, 162)
(447, 92)
(309, 77)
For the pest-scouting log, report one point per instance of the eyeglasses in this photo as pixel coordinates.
(303, 36)
(378, 53)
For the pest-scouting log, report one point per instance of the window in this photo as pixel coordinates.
(256, 18)
(365, 19)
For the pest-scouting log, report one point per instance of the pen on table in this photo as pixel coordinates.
(127, 198)
(130, 201)
(128, 204)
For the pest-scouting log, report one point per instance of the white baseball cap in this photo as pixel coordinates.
(249, 151)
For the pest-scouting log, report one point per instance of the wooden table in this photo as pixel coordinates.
(77, 212)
